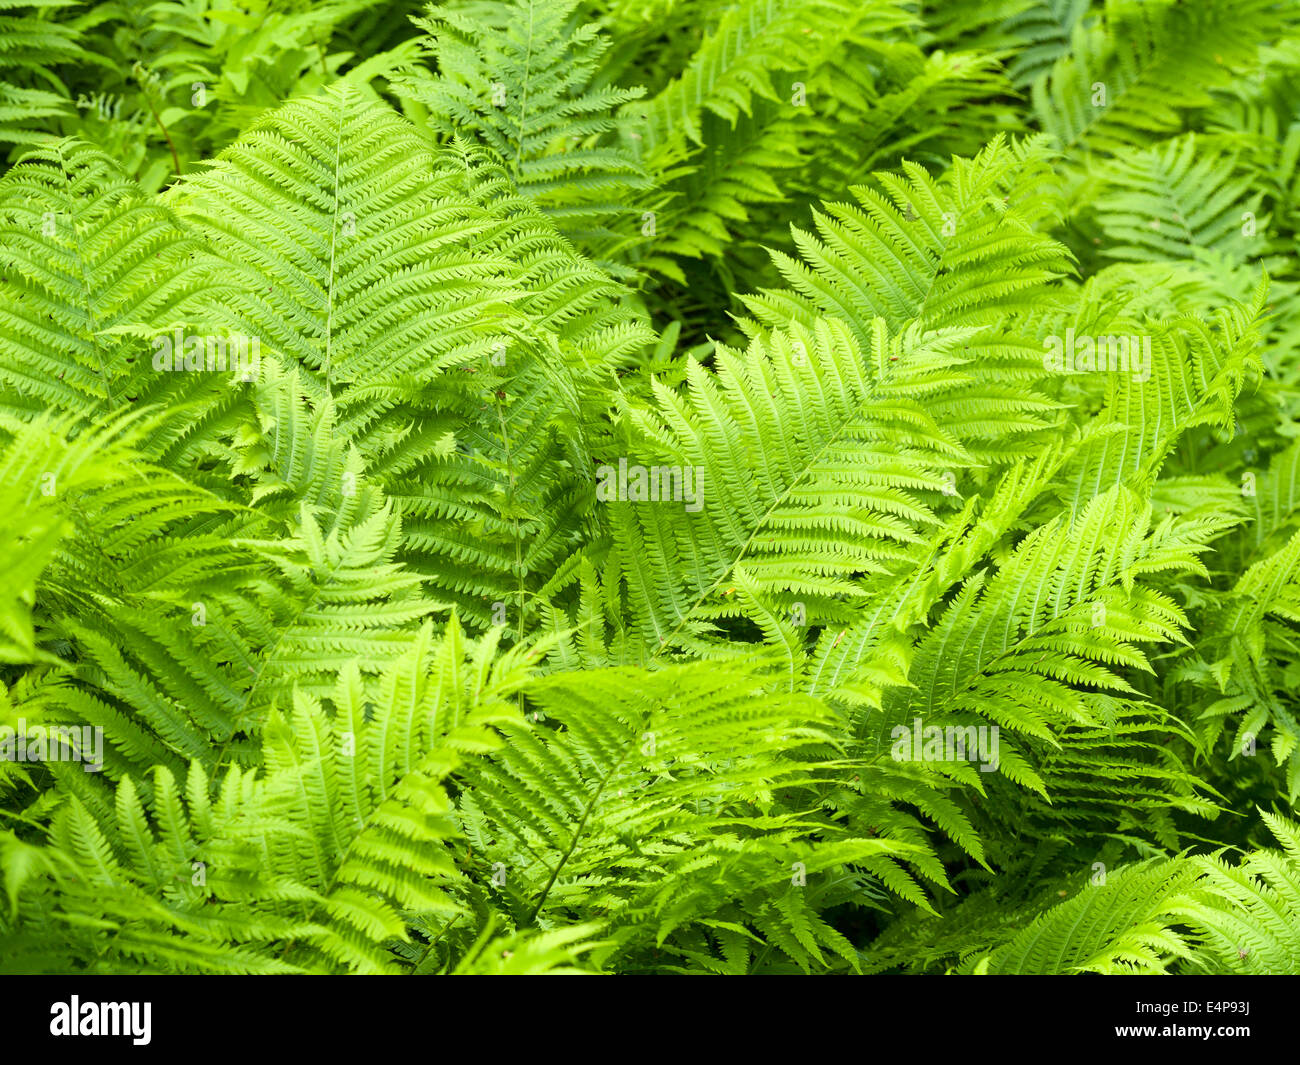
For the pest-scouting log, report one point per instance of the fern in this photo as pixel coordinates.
(1244, 915)
(775, 487)
(37, 41)
(520, 80)
(1127, 76)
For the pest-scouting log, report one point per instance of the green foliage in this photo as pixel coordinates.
(541, 486)
(518, 78)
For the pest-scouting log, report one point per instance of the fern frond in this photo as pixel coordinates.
(1167, 202)
(820, 503)
(90, 269)
(1121, 926)
(1127, 78)
(521, 78)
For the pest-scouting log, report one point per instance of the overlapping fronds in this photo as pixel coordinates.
(520, 486)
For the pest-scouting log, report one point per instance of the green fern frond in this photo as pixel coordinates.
(522, 78)
(36, 41)
(1245, 914)
(1122, 925)
(821, 502)
(1126, 78)
(90, 269)
(651, 804)
(1167, 202)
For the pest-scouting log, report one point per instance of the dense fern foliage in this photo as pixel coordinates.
(782, 486)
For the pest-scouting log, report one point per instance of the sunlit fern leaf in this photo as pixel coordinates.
(734, 129)
(958, 252)
(830, 495)
(1197, 368)
(453, 326)
(36, 40)
(320, 860)
(1036, 651)
(324, 209)
(293, 454)
(364, 780)
(196, 659)
(855, 664)
(42, 473)
(555, 953)
(735, 63)
(1273, 496)
(1244, 659)
(157, 884)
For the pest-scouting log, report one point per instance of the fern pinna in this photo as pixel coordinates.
(509, 486)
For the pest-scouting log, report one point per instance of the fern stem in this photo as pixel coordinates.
(514, 520)
(577, 835)
(523, 102)
(171, 144)
(86, 288)
(334, 235)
